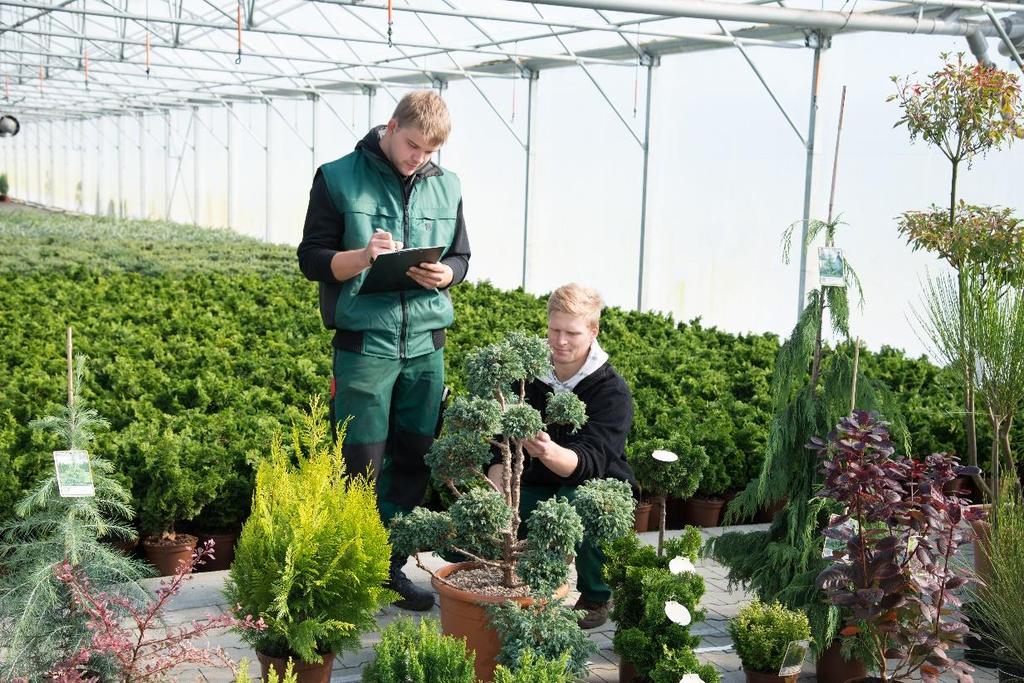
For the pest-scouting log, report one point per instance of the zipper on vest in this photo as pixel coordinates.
(406, 197)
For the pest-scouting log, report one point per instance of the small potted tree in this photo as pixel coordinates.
(894, 570)
(656, 600)
(761, 634)
(483, 523)
(171, 483)
(312, 558)
(667, 467)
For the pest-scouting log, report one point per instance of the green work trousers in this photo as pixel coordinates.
(394, 406)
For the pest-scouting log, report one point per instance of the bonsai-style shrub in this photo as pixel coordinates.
(313, 556)
(483, 523)
(644, 583)
(419, 653)
(761, 633)
(132, 635)
(895, 570)
(659, 476)
(37, 623)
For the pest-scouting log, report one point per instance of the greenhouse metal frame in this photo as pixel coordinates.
(76, 61)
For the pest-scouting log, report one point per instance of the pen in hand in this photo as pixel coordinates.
(381, 243)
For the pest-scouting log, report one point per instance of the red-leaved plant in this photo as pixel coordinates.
(133, 638)
(896, 575)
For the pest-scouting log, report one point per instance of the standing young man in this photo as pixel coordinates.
(388, 348)
(559, 461)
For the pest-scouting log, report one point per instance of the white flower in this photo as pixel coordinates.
(677, 613)
(665, 456)
(681, 564)
(691, 678)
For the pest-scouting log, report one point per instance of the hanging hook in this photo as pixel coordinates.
(238, 21)
(391, 21)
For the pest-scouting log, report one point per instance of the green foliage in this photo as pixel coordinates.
(997, 600)
(680, 478)
(421, 530)
(242, 675)
(418, 653)
(761, 633)
(522, 421)
(313, 556)
(535, 669)
(565, 408)
(546, 628)
(675, 664)
(4, 186)
(37, 624)
(478, 518)
(642, 583)
(458, 456)
(604, 507)
(554, 533)
(964, 109)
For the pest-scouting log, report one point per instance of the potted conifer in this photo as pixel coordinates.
(312, 558)
(761, 634)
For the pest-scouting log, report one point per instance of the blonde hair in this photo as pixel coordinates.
(576, 300)
(427, 112)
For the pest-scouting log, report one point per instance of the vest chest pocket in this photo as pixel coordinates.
(363, 219)
(432, 226)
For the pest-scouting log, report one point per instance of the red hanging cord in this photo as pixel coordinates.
(238, 22)
(147, 50)
(391, 20)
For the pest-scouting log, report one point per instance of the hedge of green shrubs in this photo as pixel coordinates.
(203, 342)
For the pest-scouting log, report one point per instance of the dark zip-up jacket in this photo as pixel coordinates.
(601, 443)
(324, 234)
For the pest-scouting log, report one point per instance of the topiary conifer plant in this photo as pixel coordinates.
(483, 524)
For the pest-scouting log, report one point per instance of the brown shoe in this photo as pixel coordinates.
(596, 613)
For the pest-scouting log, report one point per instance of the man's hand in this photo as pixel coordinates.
(431, 275)
(540, 446)
(380, 243)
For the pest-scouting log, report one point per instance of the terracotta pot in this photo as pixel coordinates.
(166, 557)
(762, 677)
(654, 520)
(830, 666)
(704, 512)
(464, 615)
(223, 551)
(627, 671)
(641, 516)
(305, 672)
(983, 531)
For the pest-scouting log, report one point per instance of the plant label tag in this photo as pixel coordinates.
(74, 474)
(793, 660)
(832, 544)
(831, 267)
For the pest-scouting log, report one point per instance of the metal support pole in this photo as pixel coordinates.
(66, 199)
(52, 184)
(99, 168)
(371, 97)
(644, 204)
(809, 167)
(195, 165)
(167, 164)
(143, 214)
(39, 167)
(81, 161)
(120, 171)
(312, 135)
(531, 98)
(231, 168)
(267, 181)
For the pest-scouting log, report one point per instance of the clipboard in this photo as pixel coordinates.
(387, 274)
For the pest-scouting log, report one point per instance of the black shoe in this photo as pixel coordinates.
(413, 598)
(596, 613)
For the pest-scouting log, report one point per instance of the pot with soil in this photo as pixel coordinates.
(166, 551)
(305, 672)
(642, 516)
(704, 512)
(831, 667)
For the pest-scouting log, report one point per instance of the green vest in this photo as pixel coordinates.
(368, 193)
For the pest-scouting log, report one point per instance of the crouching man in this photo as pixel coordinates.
(558, 461)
